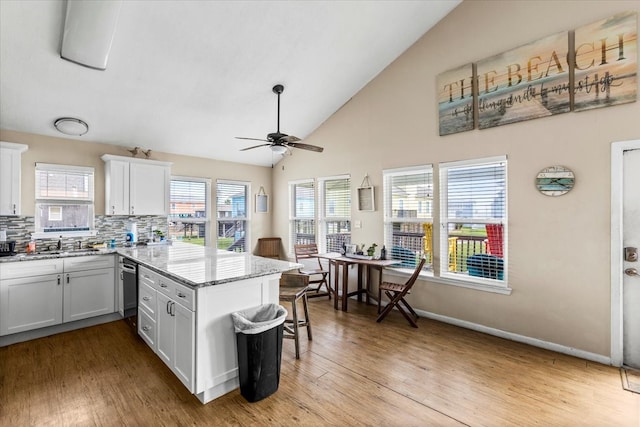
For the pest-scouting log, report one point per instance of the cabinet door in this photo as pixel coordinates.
(166, 329)
(9, 181)
(183, 365)
(149, 189)
(88, 293)
(30, 303)
(116, 188)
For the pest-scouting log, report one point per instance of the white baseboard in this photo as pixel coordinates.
(518, 338)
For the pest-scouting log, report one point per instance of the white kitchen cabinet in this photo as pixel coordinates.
(136, 186)
(170, 322)
(39, 293)
(10, 177)
(88, 294)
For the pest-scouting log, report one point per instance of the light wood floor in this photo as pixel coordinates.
(354, 372)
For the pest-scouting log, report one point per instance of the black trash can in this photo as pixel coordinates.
(259, 340)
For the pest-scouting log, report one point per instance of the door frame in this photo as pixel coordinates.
(617, 153)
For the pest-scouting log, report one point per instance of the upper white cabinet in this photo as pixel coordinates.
(10, 157)
(136, 186)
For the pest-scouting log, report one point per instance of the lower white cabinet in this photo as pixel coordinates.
(39, 293)
(166, 321)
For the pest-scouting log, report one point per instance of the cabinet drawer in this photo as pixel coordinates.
(14, 270)
(92, 262)
(177, 292)
(147, 298)
(147, 328)
(147, 277)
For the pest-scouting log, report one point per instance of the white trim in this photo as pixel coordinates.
(58, 234)
(617, 152)
(106, 157)
(302, 181)
(64, 168)
(474, 162)
(518, 338)
(405, 170)
(459, 281)
(14, 146)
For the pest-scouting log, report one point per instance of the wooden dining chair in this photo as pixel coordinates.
(293, 288)
(306, 254)
(396, 293)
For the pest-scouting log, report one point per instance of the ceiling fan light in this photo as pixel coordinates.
(71, 126)
(278, 149)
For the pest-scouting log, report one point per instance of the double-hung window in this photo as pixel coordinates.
(64, 200)
(302, 215)
(408, 215)
(473, 220)
(190, 209)
(334, 213)
(232, 212)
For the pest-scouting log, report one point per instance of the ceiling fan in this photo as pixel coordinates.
(279, 142)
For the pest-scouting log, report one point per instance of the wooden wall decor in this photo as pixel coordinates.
(455, 100)
(527, 82)
(606, 62)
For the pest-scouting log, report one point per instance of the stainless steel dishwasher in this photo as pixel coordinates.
(129, 277)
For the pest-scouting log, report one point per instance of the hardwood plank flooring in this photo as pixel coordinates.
(354, 372)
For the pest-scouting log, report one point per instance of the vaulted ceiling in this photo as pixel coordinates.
(186, 77)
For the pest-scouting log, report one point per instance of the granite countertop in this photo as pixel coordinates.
(189, 264)
(198, 266)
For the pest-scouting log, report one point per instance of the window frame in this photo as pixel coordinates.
(292, 211)
(389, 219)
(207, 219)
(321, 235)
(494, 285)
(246, 218)
(39, 233)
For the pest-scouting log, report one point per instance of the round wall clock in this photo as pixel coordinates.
(555, 180)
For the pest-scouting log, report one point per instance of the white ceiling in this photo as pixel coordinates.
(186, 77)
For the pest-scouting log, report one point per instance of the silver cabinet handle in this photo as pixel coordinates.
(131, 210)
(146, 328)
(163, 285)
(181, 295)
(146, 298)
(113, 210)
(58, 280)
(67, 279)
(14, 208)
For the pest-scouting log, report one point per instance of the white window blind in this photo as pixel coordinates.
(408, 215)
(232, 215)
(64, 198)
(302, 213)
(189, 209)
(474, 218)
(335, 215)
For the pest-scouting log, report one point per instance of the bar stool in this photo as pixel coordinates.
(293, 288)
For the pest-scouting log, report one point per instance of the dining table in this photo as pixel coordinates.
(365, 266)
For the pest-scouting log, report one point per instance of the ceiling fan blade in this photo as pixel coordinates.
(306, 146)
(251, 139)
(289, 138)
(255, 146)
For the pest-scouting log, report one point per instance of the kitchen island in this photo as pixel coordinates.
(186, 296)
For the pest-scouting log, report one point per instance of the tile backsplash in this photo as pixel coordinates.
(108, 227)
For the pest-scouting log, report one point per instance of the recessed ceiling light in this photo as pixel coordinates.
(71, 126)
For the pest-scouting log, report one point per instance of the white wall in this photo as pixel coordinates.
(558, 246)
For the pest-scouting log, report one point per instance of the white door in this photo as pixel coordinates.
(88, 294)
(631, 276)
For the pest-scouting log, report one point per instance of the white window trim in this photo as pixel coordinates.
(478, 283)
(387, 206)
(62, 234)
(246, 218)
(207, 219)
(321, 236)
(292, 217)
